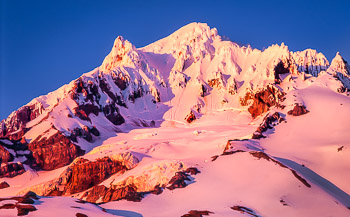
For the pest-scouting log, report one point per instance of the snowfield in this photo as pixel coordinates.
(191, 100)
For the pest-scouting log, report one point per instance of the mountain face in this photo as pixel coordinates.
(80, 140)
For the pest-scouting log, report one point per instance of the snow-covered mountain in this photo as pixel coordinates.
(190, 110)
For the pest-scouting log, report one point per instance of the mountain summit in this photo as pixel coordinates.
(94, 135)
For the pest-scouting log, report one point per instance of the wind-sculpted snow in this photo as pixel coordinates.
(267, 129)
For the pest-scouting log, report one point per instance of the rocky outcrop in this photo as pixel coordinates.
(14, 125)
(5, 155)
(83, 174)
(243, 209)
(157, 190)
(112, 114)
(178, 181)
(264, 99)
(86, 174)
(281, 68)
(17, 149)
(53, 152)
(121, 81)
(192, 171)
(134, 187)
(298, 110)
(23, 204)
(190, 117)
(85, 132)
(88, 89)
(83, 111)
(197, 213)
(244, 101)
(215, 82)
(268, 123)
(91, 105)
(22, 209)
(11, 170)
(4, 185)
(102, 194)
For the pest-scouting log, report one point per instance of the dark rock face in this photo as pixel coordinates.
(85, 133)
(25, 209)
(95, 193)
(342, 89)
(204, 91)
(301, 179)
(86, 174)
(121, 81)
(298, 110)
(340, 148)
(258, 135)
(190, 117)
(280, 69)
(11, 170)
(215, 82)
(53, 152)
(178, 181)
(128, 193)
(243, 209)
(136, 94)
(262, 155)
(18, 147)
(23, 204)
(157, 190)
(83, 111)
(5, 156)
(103, 194)
(264, 99)
(112, 114)
(110, 194)
(192, 170)
(197, 213)
(265, 125)
(80, 215)
(105, 88)
(229, 153)
(16, 122)
(245, 100)
(4, 185)
(283, 202)
(88, 90)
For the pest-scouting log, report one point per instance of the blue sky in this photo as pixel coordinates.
(46, 44)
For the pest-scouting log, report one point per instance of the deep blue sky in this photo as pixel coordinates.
(45, 44)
